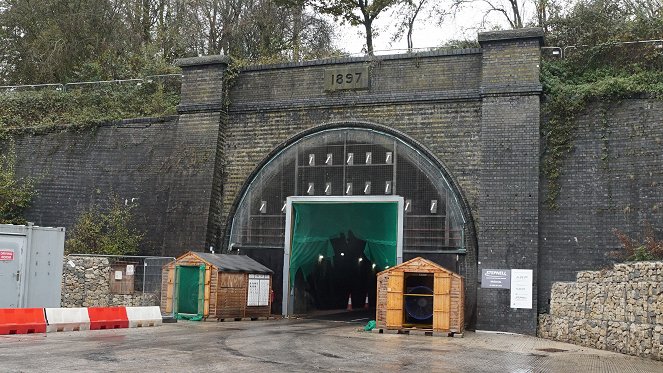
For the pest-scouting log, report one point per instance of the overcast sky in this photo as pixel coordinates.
(426, 34)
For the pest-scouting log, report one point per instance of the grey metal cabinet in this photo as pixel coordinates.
(30, 266)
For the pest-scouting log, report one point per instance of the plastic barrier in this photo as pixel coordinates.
(144, 316)
(67, 319)
(107, 318)
(22, 321)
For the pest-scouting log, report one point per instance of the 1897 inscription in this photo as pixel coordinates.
(346, 78)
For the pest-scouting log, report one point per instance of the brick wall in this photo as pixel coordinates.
(613, 178)
(509, 173)
(476, 111)
(268, 108)
(164, 167)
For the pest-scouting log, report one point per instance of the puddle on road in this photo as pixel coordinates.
(551, 349)
(327, 354)
(107, 338)
(102, 356)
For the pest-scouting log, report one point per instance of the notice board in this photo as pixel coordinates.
(258, 290)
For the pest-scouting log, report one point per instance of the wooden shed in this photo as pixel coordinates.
(203, 285)
(420, 294)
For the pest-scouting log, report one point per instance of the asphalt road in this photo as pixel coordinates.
(298, 346)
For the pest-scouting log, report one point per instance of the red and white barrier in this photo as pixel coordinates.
(67, 319)
(42, 320)
(22, 321)
(108, 318)
(144, 316)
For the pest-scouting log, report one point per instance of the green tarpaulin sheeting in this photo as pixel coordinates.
(317, 223)
(190, 289)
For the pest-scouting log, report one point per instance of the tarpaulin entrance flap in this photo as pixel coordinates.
(316, 223)
(188, 289)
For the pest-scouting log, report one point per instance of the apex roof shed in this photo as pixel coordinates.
(203, 285)
(420, 294)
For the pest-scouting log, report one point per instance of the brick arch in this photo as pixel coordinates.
(469, 262)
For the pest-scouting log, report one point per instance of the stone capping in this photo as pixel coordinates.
(200, 108)
(510, 90)
(504, 35)
(369, 59)
(619, 309)
(142, 122)
(367, 100)
(202, 61)
(145, 122)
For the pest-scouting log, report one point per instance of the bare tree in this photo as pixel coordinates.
(407, 15)
(509, 10)
(356, 13)
(412, 11)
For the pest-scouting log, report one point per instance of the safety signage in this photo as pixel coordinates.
(6, 254)
(496, 278)
(521, 288)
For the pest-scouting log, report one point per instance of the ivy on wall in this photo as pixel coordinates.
(81, 108)
(16, 193)
(603, 73)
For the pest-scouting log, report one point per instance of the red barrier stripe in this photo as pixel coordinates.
(108, 318)
(22, 321)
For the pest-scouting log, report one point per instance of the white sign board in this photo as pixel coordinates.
(258, 290)
(254, 292)
(118, 275)
(521, 288)
(130, 269)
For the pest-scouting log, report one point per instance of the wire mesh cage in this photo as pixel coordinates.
(352, 161)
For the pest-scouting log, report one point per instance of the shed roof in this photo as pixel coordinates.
(419, 264)
(234, 263)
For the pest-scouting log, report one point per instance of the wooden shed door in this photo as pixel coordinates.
(441, 301)
(208, 289)
(170, 287)
(395, 300)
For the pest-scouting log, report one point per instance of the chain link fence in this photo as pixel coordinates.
(169, 82)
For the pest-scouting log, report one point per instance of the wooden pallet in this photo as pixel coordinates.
(227, 319)
(425, 332)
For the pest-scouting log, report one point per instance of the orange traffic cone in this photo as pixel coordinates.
(366, 302)
(350, 302)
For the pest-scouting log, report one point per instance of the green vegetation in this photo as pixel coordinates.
(43, 111)
(571, 84)
(16, 194)
(105, 40)
(597, 66)
(61, 41)
(648, 248)
(110, 231)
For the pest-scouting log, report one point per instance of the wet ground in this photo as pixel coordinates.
(301, 345)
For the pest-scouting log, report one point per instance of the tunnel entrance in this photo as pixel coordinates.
(337, 245)
(346, 161)
(349, 277)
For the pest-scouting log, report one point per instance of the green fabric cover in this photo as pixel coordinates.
(188, 291)
(315, 223)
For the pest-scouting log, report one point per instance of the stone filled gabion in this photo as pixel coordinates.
(87, 284)
(619, 310)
